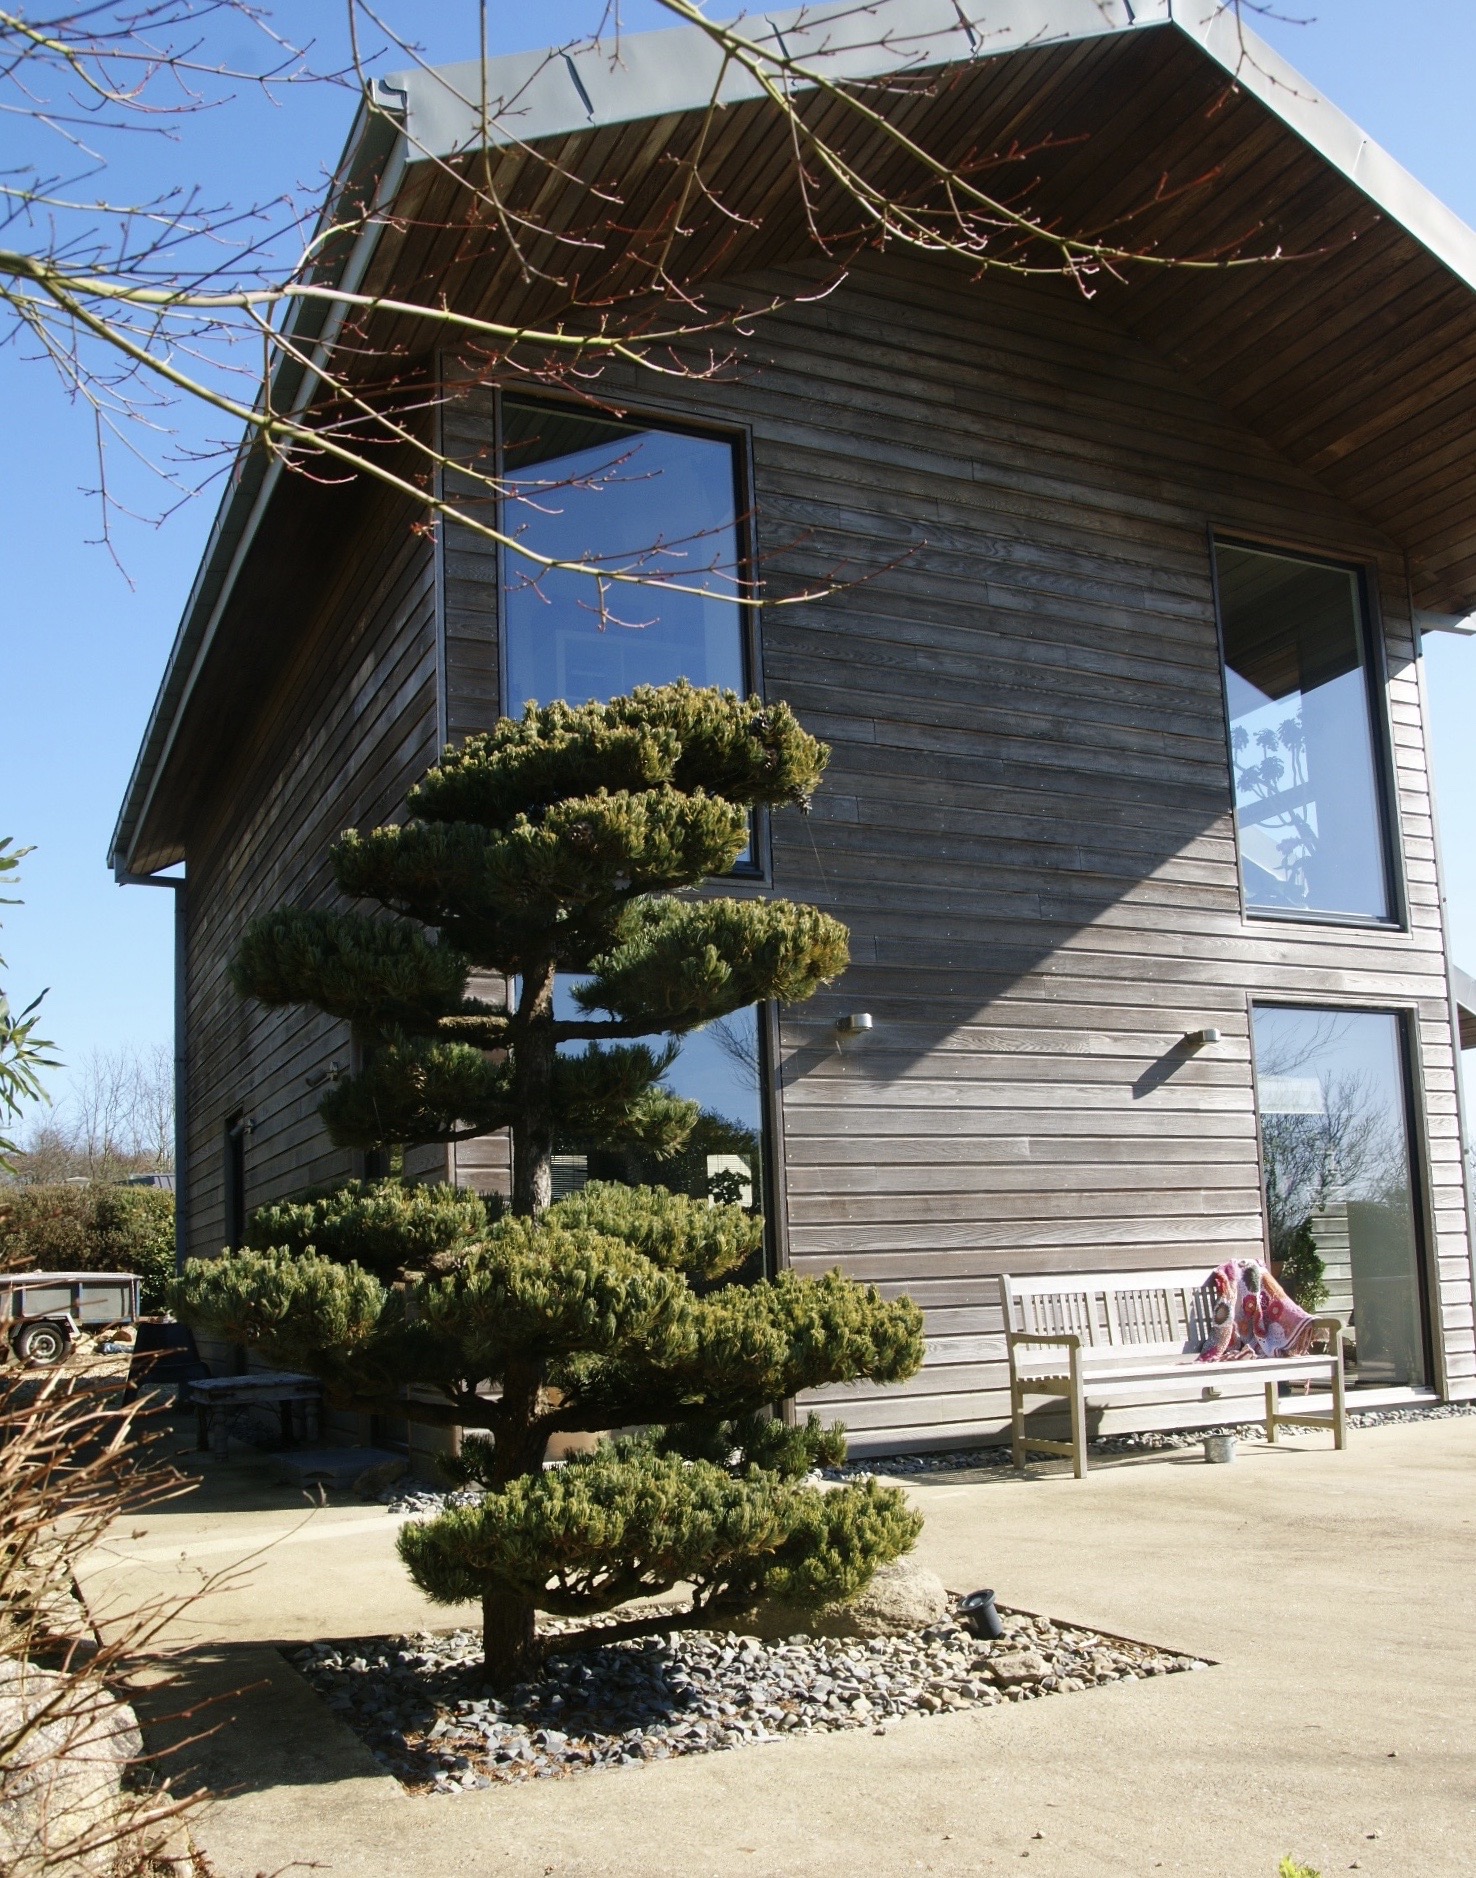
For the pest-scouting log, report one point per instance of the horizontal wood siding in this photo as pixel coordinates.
(1026, 823)
(346, 725)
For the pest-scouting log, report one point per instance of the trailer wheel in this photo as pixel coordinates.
(42, 1343)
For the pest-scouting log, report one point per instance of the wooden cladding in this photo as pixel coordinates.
(329, 736)
(1026, 823)
(1325, 326)
(1027, 819)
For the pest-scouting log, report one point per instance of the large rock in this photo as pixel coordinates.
(1011, 1666)
(903, 1596)
(379, 1479)
(61, 1775)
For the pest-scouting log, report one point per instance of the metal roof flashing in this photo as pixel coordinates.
(531, 96)
(534, 96)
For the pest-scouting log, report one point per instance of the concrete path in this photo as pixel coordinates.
(1335, 1593)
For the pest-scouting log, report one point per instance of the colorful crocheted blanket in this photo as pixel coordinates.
(1251, 1315)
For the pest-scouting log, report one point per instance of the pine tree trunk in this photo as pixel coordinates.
(509, 1638)
(533, 1066)
(509, 1645)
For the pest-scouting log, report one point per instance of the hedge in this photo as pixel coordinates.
(92, 1228)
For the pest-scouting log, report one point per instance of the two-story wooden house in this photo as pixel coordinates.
(1129, 811)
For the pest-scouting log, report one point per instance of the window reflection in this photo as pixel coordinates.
(1339, 1194)
(661, 504)
(718, 1072)
(618, 498)
(1306, 781)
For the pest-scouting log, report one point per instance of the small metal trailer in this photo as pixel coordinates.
(41, 1313)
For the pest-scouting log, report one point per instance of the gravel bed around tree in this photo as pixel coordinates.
(421, 1705)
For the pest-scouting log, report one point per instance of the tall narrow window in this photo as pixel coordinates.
(1297, 685)
(1340, 1200)
(619, 499)
(662, 505)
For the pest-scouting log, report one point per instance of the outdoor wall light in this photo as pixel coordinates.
(1197, 1039)
(853, 1023)
(315, 1078)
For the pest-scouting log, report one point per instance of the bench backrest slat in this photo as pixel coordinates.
(1053, 1313)
(1145, 1313)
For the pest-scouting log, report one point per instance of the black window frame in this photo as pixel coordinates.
(1417, 1146)
(757, 872)
(750, 645)
(1381, 739)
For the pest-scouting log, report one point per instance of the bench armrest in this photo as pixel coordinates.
(1060, 1340)
(1336, 1331)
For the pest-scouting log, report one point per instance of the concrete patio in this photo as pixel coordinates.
(1336, 1595)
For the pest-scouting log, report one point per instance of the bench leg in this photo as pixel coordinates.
(1340, 1403)
(1078, 1419)
(220, 1434)
(1017, 1425)
(1271, 1412)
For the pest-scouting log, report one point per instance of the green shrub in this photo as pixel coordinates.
(1303, 1274)
(385, 1226)
(92, 1228)
(558, 844)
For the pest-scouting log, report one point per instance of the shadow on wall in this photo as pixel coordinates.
(1029, 834)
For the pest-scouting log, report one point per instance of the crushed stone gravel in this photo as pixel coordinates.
(421, 1704)
(963, 1460)
(422, 1501)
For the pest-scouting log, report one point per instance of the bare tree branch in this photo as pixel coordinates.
(147, 307)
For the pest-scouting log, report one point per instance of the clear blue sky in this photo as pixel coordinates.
(83, 650)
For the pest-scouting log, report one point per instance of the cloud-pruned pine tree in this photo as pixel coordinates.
(569, 841)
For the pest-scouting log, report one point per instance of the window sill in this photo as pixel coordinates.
(1345, 922)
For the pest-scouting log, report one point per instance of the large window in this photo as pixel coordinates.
(1297, 683)
(664, 505)
(1332, 1092)
(618, 499)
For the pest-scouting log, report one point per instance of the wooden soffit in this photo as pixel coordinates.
(1164, 124)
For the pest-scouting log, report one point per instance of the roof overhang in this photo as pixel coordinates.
(536, 96)
(1370, 384)
(373, 165)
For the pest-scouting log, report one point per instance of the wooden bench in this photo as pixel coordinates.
(213, 1398)
(1099, 1336)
